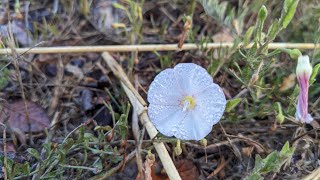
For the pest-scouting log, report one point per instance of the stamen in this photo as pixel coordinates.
(186, 105)
(188, 102)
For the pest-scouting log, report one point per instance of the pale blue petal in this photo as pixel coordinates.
(193, 127)
(210, 104)
(192, 78)
(166, 118)
(164, 89)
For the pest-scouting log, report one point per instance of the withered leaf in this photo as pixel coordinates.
(186, 168)
(14, 115)
(148, 164)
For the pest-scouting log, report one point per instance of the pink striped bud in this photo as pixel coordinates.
(303, 71)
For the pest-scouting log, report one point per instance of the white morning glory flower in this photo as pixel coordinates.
(184, 102)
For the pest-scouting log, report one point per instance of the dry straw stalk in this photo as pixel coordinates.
(145, 47)
(140, 107)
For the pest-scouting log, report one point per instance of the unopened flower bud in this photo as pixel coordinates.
(303, 71)
(177, 150)
(204, 142)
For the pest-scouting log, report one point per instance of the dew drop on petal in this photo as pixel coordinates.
(211, 104)
(192, 127)
(192, 78)
(170, 104)
(164, 90)
(166, 118)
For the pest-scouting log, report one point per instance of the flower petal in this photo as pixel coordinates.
(166, 118)
(211, 104)
(192, 127)
(192, 78)
(164, 90)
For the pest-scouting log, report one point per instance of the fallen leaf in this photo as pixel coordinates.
(223, 36)
(220, 169)
(9, 147)
(75, 70)
(247, 151)
(86, 99)
(19, 30)
(186, 168)
(147, 165)
(14, 115)
(104, 14)
(288, 82)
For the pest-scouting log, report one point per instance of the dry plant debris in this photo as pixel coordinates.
(67, 116)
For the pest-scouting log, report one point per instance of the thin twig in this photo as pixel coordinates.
(5, 158)
(136, 133)
(140, 107)
(145, 47)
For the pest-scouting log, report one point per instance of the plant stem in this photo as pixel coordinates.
(146, 47)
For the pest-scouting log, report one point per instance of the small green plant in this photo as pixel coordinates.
(133, 11)
(4, 76)
(272, 163)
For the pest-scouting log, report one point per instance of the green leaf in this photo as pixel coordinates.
(289, 8)
(280, 116)
(255, 176)
(4, 77)
(119, 6)
(314, 74)
(214, 66)
(34, 153)
(248, 35)
(263, 13)
(231, 104)
(286, 150)
(295, 53)
(272, 163)
(68, 144)
(215, 9)
(21, 169)
(273, 30)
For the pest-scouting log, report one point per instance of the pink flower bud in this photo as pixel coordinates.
(303, 71)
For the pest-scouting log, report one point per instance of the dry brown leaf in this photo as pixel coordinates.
(288, 82)
(76, 71)
(147, 165)
(223, 36)
(187, 170)
(14, 115)
(219, 170)
(9, 147)
(247, 151)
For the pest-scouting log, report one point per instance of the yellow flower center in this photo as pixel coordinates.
(188, 102)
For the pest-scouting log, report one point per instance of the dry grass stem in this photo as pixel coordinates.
(140, 106)
(145, 47)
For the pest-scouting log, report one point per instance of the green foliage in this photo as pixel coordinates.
(4, 77)
(272, 163)
(215, 9)
(231, 104)
(13, 168)
(34, 153)
(165, 60)
(273, 30)
(314, 74)
(133, 10)
(263, 13)
(280, 116)
(248, 35)
(122, 124)
(71, 155)
(288, 11)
